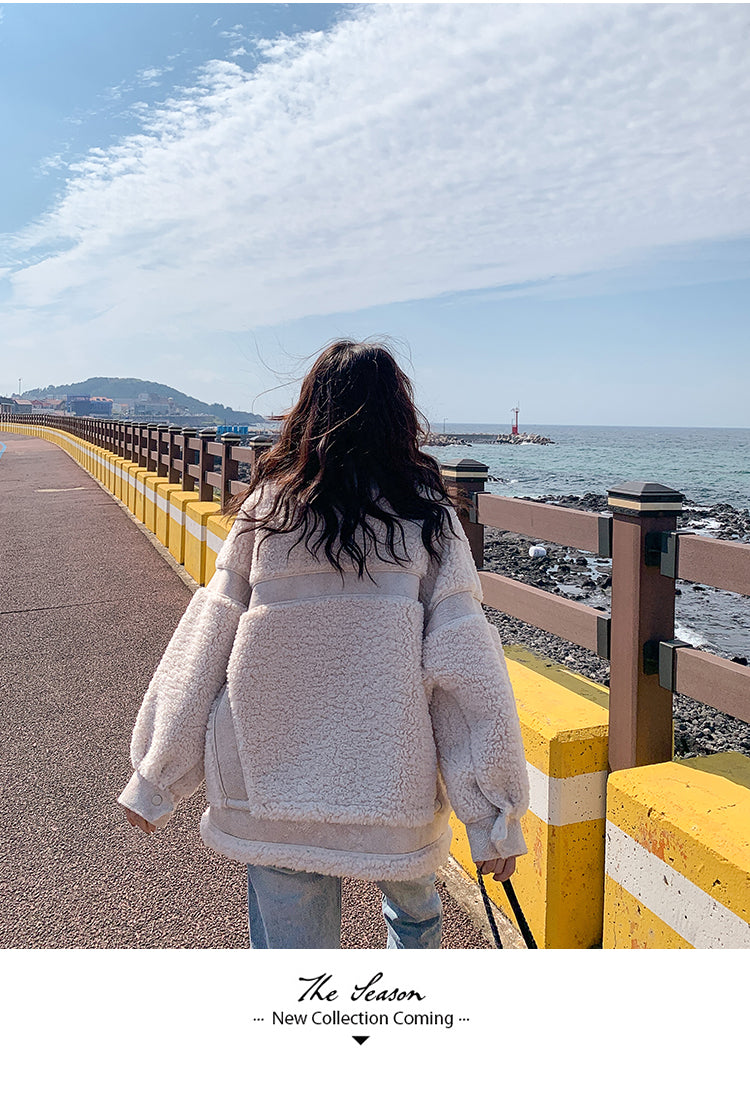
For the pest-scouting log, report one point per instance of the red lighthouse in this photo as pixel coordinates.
(514, 425)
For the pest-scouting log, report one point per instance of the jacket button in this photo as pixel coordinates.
(156, 799)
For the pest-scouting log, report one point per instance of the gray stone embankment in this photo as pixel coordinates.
(699, 729)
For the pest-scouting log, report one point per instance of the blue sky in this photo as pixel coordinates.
(543, 204)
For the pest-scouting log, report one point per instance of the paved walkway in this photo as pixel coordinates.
(87, 608)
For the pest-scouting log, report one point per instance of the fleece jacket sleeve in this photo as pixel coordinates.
(168, 742)
(473, 711)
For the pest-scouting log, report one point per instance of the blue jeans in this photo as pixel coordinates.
(294, 910)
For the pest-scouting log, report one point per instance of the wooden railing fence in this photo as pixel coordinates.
(648, 664)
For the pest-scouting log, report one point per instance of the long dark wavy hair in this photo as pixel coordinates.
(352, 440)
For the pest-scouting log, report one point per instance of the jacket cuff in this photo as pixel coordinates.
(148, 801)
(495, 837)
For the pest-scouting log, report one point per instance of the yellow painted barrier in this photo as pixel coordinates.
(151, 483)
(118, 476)
(113, 472)
(163, 495)
(217, 528)
(106, 467)
(678, 855)
(129, 484)
(559, 883)
(140, 493)
(197, 514)
(178, 501)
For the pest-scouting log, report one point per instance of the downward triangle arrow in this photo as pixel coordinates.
(360, 1038)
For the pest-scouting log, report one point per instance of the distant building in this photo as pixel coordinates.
(83, 405)
(151, 404)
(47, 404)
(22, 405)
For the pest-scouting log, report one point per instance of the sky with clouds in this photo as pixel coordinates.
(538, 203)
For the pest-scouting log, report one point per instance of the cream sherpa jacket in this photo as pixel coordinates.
(336, 720)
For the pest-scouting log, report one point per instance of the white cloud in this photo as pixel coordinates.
(408, 152)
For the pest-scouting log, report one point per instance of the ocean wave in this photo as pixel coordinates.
(692, 637)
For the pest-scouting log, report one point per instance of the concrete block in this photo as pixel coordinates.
(163, 494)
(217, 528)
(140, 493)
(178, 501)
(197, 515)
(678, 855)
(150, 485)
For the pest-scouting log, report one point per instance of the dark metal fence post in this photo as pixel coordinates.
(134, 440)
(259, 444)
(205, 464)
(152, 436)
(463, 480)
(172, 454)
(162, 450)
(143, 435)
(643, 603)
(230, 467)
(130, 440)
(188, 482)
(127, 440)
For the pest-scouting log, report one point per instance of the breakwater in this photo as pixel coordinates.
(437, 439)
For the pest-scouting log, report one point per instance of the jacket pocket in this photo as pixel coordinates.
(225, 782)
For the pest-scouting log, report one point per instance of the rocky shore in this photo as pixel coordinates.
(699, 729)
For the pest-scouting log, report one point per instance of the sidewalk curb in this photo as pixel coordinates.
(465, 892)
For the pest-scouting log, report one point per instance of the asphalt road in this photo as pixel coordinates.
(87, 607)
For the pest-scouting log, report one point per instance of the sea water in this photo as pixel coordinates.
(708, 465)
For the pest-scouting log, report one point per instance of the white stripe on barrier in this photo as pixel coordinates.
(670, 896)
(213, 541)
(561, 801)
(176, 513)
(196, 529)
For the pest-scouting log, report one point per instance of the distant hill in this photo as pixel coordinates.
(124, 389)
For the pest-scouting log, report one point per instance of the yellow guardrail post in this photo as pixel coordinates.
(678, 855)
(560, 882)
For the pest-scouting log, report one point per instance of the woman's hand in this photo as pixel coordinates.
(139, 822)
(501, 869)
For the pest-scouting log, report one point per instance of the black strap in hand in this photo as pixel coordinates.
(528, 938)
